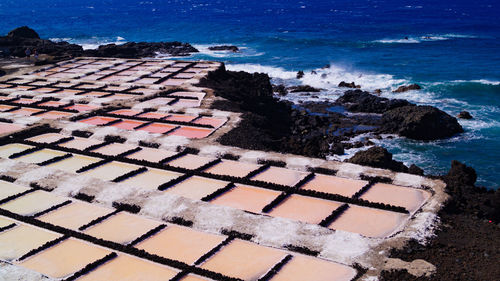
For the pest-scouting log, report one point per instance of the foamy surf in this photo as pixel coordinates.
(423, 38)
(243, 51)
(93, 42)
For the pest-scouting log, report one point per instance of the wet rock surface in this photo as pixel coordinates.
(344, 84)
(224, 48)
(142, 49)
(464, 115)
(379, 157)
(360, 101)
(407, 88)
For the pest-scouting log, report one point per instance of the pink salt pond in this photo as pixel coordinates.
(192, 132)
(247, 198)
(334, 185)
(190, 161)
(152, 178)
(17, 241)
(305, 209)
(156, 102)
(47, 138)
(187, 103)
(80, 143)
(157, 128)
(196, 187)
(81, 107)
(4, 107)
(113, 149)
(180, 117)
(280, 176)
(98, 120)
(185, 75)
(151, 154)
(128, 124)
(244, 260)
(26, 111)
(69, 92)
(122, 228)
(96, 94)
(130, 268)
(74, 215)
(302, 268)
(153, 115)
(65, 258)
(173, 82)
(214, 122)
(24, 101)
(232, 168)
(180, 243)
(53, 114)
(369, 222)
(125, 112)
(53, 103)
(409, 198)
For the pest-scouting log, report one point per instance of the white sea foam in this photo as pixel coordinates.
(93, 42)
(243, 51)
(423, 38)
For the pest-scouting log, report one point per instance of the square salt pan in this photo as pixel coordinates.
(302, 268)
(122, 228)
(196, 187)
(409, 198)
(305, 209)
(232, 168)
(75, 215)
(5, 221)
(190, 161)
(110, 171)
(74, 163)
(80, 143)
(9, 149)
(25, 111)
(32, 203)
(40, 156)
(65, 258)
(17, 241)
(151, 154)
(180, 117)
(54, 114)
(281, 176)
(369, 222)
(8, 189)
(192, 132)
(334, 185)
(180, 243)
(114, 149)
(98, 120)
(129, 268)
(152, 178)
(47, 138)
(245, 260)
(128, 124)
(247, 198)
(6, 128)
(157, 128)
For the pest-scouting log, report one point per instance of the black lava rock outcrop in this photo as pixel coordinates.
(231, 48)
(300, 74)
(377, 157)
(344, 84)
(303, 88)
(23, 32)
(464, 115)
(142, 49)
(420, 123)
(407, 88)
(360, 101)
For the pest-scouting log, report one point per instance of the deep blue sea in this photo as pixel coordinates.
(452, 50)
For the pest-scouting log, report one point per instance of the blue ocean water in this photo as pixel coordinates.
(452, 50)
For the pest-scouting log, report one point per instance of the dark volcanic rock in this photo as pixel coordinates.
(344, 84)
(377, 157)
(142, 49)
(416, 170)
(300, 74)
(23, 32)
(303, 88)
(224, 48)
(420, 123)
(360, 101)
(402, 89)
(464, 115)
(280, 89)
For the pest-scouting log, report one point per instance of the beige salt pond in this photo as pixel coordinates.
(305, 209)
(232, 168)
(8, 189)
(80, 143)
(47, 138)
(190, 161)
(40, 156)
(409, 198)
(157, 128)
(74, 215)
(129, 268)
(17, 241)
(280, 176)
(302, 268)
(369, 222)
(5, 221)
(111, 170)
(151, 154)
(152, 178)
(114, 149)
(180, 117)
(192, 277)
(180, 243)
(32, 203)
(9, 128)
(25, 111)
(334, 185)
(247, 198)
(9, 149)
(122, 228)
(65, 258)
(245, 260)
(196, 187)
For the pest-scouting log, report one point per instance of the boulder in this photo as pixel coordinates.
(377, 157)
(23, 32)
(353, 85)
(465, 115)
(231, 48)
(142, 49)
(420, 123)
(280, 89)
(406, 88)
(303, 88)
(360, 101)
(300, 74)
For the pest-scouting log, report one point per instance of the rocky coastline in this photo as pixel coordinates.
(465, 245)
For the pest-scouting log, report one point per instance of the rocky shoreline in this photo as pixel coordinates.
(464, 247)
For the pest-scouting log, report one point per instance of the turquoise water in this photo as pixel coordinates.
(452, 50)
